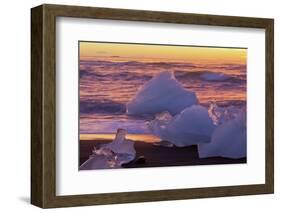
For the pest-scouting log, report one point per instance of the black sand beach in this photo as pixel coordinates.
(158, 156)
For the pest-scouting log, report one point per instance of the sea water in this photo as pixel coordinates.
(107, 84)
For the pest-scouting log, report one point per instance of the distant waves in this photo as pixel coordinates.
(100, 107)
(202, 75)
(106, 86)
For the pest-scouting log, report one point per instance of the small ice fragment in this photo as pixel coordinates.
(111, 155)
(161, 93)
(192, 126)
(120, 145)
(98, 162)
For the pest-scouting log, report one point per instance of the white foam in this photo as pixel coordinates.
(214, 76)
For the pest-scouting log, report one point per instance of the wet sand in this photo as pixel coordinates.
(158, 156)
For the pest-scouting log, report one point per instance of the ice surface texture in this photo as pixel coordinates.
(192, 126)
(161, 93)
(111, 155)
(220, 115)
(228, 139)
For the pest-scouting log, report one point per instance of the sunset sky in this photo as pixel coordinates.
(90, 50)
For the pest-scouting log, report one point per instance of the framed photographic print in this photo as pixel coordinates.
(136, 106)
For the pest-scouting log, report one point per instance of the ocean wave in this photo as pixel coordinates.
(131, 70)
(83, 73)
(110, 63)
(105, 106)
(159, 64)
(230, 67)
(208, 76)
(235, 67)
(118, 76)
(136, 64)
(172, 64)
(214, 76)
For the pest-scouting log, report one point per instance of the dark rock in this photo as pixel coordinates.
(140, 160)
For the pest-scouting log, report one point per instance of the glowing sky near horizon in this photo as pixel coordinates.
(193, 54)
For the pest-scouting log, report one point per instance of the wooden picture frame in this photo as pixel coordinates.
(43, 105)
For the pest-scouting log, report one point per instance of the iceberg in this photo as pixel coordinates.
(192, 126)
(220, 115)
(228, 139)
(111, 155)
(161, 93)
